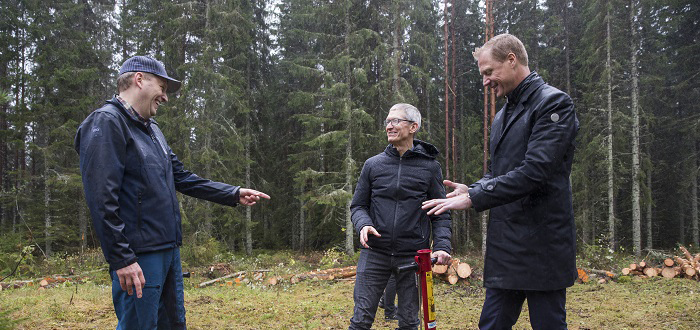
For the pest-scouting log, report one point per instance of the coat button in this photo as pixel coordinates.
(489, 187)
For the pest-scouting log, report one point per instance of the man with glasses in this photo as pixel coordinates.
(386, 212)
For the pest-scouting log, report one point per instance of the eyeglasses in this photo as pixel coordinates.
(395, 121)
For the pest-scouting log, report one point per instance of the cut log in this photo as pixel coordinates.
(582, 276)
(216, 280)
(272, 280)
(687, 254)
(651, 272)
(602, 281)
(642, 264)
(452, 278)
(440, 269)
(43, 283)
(452, 269)
(625, 271)
(599, 272)
(668, 272)
(464, 270)
(633, 267)
(690, 271)
(669, 262)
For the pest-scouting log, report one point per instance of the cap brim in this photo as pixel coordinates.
(173, 85)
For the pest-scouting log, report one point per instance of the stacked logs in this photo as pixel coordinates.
(688, 267)
(454, 272)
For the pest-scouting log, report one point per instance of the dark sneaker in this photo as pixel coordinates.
(381, 302)
(392, 317)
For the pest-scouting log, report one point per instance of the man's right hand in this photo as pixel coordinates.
(131, 276)
(459, 188)
(364, 233)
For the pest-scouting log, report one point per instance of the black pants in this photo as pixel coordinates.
(373, 273)
(502, 309)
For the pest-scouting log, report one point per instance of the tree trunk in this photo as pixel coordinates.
(349, 246)
(611, 199)
(648, 215)
(694, 195)
(398, 33)
(82, 222)
(248, 211)
(567, 52)
(447, 96)
(636, 212)
(47, 212)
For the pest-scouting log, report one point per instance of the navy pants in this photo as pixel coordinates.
(162, 305)
(373, 273)
(502, 309)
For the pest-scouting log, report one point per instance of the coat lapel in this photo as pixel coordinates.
(517, 111)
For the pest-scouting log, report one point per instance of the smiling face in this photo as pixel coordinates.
(155, 91)
(151, 93)
(501, 76)
(401, 133)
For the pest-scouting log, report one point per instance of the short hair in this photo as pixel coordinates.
(124, 81)
(411, 112)
(501, 45)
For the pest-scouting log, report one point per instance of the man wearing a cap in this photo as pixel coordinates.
(130, 176)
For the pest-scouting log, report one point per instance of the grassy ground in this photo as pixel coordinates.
(633, 303)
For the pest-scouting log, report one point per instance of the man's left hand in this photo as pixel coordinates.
(249, 197)
(444, 258)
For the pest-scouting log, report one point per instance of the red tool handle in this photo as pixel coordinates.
(425, 272)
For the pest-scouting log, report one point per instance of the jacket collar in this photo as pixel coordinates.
(514, 96)
(420, 148)
(130, 112)
(519, 95)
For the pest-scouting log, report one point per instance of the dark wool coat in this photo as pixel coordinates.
(531, 240)
(389, 196)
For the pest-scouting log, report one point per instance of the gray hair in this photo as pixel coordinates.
(411, 112)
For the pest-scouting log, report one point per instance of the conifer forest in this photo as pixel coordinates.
(289, 97)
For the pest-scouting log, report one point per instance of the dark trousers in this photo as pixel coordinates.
(163, 303)
(390, 297)
(373, 273)
(502, 309)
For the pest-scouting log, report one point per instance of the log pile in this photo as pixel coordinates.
(453, 273)
(326, 274)
(602, 276)
(44, 282)
(237, 278)
(687, 266)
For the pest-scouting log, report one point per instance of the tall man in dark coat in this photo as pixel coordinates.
(531, 240)
(386, 212)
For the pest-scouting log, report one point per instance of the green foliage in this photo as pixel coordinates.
(599, 256)
(336, 257)
(200, 250)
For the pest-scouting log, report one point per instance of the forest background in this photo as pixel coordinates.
(288, 97)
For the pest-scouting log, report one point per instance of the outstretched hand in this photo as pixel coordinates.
(249, 197)
(364, 235)
(458, 199)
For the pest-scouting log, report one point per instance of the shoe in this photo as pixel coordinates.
(392, 317)
(381, 302)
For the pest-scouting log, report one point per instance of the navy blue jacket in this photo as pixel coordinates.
(389, 196)
(130, 176)
(531, 239)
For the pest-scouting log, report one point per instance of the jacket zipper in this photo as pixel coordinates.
(138, 220)
(396, 208)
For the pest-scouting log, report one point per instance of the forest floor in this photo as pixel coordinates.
(632, 303)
